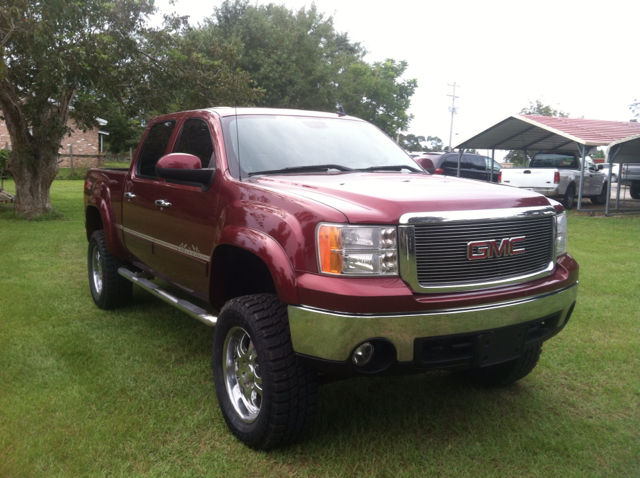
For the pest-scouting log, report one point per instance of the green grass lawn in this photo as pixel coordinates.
(85, 392)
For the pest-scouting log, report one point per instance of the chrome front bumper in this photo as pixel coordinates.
(333, 336)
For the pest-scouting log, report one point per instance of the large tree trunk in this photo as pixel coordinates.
(33, 182)
(34, 147)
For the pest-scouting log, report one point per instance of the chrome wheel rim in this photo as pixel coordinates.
(96, 270)
(242, 374)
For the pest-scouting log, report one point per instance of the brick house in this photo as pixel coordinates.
(88, 146)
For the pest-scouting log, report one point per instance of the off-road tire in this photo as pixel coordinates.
(569, 197)
(108, 288)
(507, 373)
(602, 197)
(286, 390)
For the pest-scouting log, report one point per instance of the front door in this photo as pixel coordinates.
(169, 226)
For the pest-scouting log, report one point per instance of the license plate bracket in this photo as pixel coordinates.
(499, 346)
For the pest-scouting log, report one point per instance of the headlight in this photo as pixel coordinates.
(561, 234)
(357, 250)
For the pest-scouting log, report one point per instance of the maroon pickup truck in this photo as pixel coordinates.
(320, 250)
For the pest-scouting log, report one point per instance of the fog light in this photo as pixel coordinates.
(363, 354)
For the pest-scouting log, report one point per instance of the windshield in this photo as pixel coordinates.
(271, 144)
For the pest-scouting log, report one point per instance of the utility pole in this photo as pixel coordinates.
(453, 110)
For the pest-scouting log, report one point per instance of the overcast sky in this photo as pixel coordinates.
(580, 57)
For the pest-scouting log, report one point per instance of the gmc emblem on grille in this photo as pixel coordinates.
(497, 248)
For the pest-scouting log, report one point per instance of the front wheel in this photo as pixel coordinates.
(506, 373)
(635, 189)
(602, 197)
(266, 394)
(108, 288)
(569, 197)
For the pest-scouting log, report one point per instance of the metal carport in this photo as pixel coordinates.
(551, 133)
(626, 150)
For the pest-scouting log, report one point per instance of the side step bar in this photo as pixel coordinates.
(188, 308)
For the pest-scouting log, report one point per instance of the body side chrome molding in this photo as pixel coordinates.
(166, 245)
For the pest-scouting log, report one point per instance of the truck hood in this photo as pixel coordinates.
(384, 197)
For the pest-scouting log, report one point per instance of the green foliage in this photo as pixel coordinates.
(377, 94)
(4, 159)
(124, 132)
(296, 59)
(411, 142)
(88, 53)
(599, 154)
(635, 109)
(538, 108)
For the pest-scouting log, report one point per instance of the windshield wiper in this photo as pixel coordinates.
(318, 168)
(398, 167)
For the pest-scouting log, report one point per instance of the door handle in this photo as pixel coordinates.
(162, 203)
(129, 195)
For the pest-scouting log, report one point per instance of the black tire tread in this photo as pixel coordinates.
(602, 197)
(116, 290)
(569, 197)
(293, 390)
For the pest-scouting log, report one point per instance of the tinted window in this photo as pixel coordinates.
(477, 163)
(496, 165)
(451, 162)
(154, 147)
(195, 139)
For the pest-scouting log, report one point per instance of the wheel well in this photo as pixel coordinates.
(93, 221)
(236, 272)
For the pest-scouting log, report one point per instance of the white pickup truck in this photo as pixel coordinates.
(557, 175)
(631, 173)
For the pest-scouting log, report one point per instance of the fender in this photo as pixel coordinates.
(270, 252)
(101, 201)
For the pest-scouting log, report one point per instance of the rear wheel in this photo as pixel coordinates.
(266, 394)
(108, 288)
(569, 197)
(635, 189)
(506, 373)
(602, 197)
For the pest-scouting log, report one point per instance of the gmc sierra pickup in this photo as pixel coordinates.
(323, 251)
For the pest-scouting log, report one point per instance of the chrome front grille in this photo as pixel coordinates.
(436, 249)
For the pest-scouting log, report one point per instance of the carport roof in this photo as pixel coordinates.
(626, 150)
(550, 133)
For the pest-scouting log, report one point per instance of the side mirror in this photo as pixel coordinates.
(183, 167)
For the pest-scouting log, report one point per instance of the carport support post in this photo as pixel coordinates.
(493, 162)
(610, 158)
(459, 160)
(583, 153)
